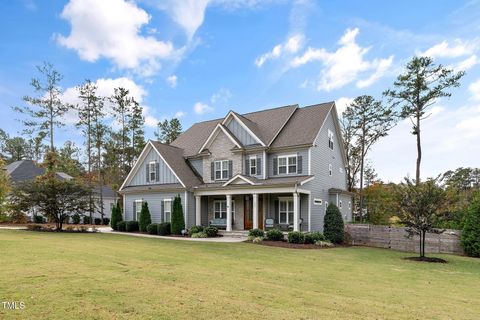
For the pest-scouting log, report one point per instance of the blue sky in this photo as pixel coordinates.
(197, 59)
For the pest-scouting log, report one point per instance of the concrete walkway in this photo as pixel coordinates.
(142, 235)
(13, 228)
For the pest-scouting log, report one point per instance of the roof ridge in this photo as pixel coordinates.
(269, 109)
(164, 144)
(284, 124)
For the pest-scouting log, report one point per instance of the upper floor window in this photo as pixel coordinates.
(253, 166)
(152, 169)
(221, 169)
(287, 164)
(330, 139)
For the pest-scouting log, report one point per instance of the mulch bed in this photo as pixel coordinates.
(285, 244)
(427, 259)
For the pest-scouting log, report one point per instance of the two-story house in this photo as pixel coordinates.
(277, 167)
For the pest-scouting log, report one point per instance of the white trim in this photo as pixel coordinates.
(264, 164)
(222, 178)
(287, 200)
(214, 134)
(166, 163)
(170, 201)
(247, 191)
(198, 210)
(250, 158)
(288, 156)
(244, 126)
(307, 180)
(150, 170)
(310, 161)
(134, 170)
(185, 218)
(309, 213)
(137, 212)
(238, 176)
(317, 201)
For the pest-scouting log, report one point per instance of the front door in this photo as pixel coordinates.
(248, 212)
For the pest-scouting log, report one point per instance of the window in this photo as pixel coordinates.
(138, 209)
(317, 201)
(167, 210)
(285, 211)
(253, 166)
(287, 164)
(330, 139)
(220, 209)
(152, 171)
(330, 170)
(340, 204)
(221, 170)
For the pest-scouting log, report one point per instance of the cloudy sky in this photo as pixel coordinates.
(197, 59)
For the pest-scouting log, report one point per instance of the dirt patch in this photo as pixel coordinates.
(427, 259)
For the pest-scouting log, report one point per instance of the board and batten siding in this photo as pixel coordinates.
(240, 133)
(301, 152)
(321, 157)
(166, 176)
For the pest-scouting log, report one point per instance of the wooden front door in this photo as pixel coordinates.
(248, 212)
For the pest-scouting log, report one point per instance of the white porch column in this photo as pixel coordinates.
(255, 211)
(198, 210)
(229, 212)
(295, 212)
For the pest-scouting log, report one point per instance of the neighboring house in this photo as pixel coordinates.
(27, 170)
(277, 167)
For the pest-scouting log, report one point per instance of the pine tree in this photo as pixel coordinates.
(121, 106)
(136, 125)
(116, 216)
(168, 131)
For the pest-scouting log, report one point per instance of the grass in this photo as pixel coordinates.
(101, 276)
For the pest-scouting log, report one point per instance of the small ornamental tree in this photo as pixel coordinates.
(178, 223)
(145, 218)
(333, 227)
(116, 216)
(471, 229)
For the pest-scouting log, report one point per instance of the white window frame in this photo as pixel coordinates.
(253, 159)
(287, 164)
(138, 209)
(288, 210)
(221, 167)
(340, 170)
(165, 211)
(152, 168)
(330, 169)
(220, 214)
(330, 139)
(317, 201)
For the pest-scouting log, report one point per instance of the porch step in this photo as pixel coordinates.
(234, 234)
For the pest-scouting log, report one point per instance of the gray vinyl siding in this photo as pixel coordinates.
(204, 212)
(321, 157)
(165, 174)
(190, 210)
(154, 200)
(258, 155)
(240, 133)
(344, 210)
(303, 208)
(301, 152)
(197, 164)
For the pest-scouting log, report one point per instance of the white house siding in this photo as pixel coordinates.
(165, 174)
(240, 133)
(321, 157)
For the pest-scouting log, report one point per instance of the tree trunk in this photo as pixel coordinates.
(419, 151)
(51, 132)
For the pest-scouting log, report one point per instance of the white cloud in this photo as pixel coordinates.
(344, 65)
(466, 64)
(222, 95)
(180, 114)
(444, 49)
(342, 104)
(449, 140)
(172, 81)
(290, 46)
(111, 29)
(474, 88)
(202, 108)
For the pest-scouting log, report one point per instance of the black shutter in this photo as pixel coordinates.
(230, 169)
(299, 164)
(277, 210)
(147, 170)
(134, 210)
(247, 166)
(212, 171)
(259, 166)
(162, 211)
(157, 170)
(275, 166)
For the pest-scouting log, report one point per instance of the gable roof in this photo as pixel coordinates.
(27, 170)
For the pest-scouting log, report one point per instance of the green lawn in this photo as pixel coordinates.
(101, 276)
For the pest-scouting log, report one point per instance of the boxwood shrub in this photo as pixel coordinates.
(132, 226)
(86, 220)
(201, 234)
(164, 229)
(195, 229)
(76, 218)
(296, 237)
(256, 233)
(333, 227)
(211, 231)
(38, 219)
(311, 238)
(152, 228)
(122, 225)
(106, 221)
(275, 235)
(97, 221)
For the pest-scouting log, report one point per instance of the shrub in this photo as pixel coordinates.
(211, 232)
(178, 223)
(152, 228)
(333, 227)
(321, 243)
(311, 238)
(122, 226)
(296, 237)
(86, 220)
(38, 219)
(132, 226)
(275, 235)
(97, 221)
(257, 240)
(164, 229)
(116, 216)
(76, 218)
(256, 233)
(145, 218)
(195, 229)
(471, 229)
(106, 221)
(201, 234)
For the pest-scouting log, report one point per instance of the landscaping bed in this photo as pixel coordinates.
(286, 244)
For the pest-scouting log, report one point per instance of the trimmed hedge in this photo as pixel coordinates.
(132, 226)
(211, 231)
(164, 229)
(311, 238)
(256, 233)
(274, 235)
(122, 226)
(333, 227)
(152, 228)
(145, 218)
(195, 229)
(296, 237)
